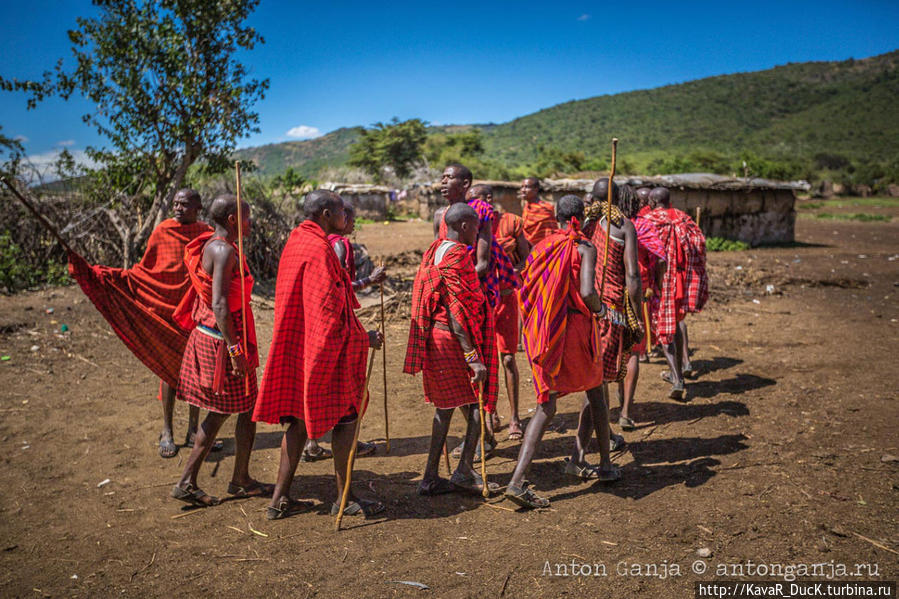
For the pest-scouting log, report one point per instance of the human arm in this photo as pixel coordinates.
(224, 260)
(631, 267)
(477, 366)
(377, 276)
(485, 241)
(588, 278)
(523, 248)
(438, 218)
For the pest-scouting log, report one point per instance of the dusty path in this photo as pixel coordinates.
(782, 456)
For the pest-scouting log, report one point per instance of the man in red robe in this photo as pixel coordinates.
(684, 277)
(218, 370)
(314, 378)
(451, 341)
(538, 216)
(138, 303)
(562, 334)
(346, 256)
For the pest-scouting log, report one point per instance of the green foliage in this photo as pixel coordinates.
(288, 181)
(17, 274)
(720, 244)
(167, 89)
(11, 151)
(857, 216)
(397, 145)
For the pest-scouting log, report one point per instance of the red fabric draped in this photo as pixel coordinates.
(138, 302)
(316, 364)
(451, 285)
(672, 305)
(561, 335)
(538, 220)
(613, 296)
(506, 231)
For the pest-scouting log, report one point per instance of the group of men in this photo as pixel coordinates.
(564, 279)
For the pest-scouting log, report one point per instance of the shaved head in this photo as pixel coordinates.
(320, 200)
(643, 195)
(458, 213)
(534, 182)
(223, 207)
(660, 197)
(191, 195)
(601, 190)
(463, 171)
(481, 191)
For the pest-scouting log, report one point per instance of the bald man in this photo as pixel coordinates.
(538, 216)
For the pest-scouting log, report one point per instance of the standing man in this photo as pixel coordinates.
(562, 333)
(218, 371)
(538, 217)
(451, 342)
(138, 303)
(315, 374)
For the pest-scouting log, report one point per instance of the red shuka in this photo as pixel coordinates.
(685, 284)
(206, 380)
(613, 296)
(506, 231)
(450, 287)
(561, 335)
(538, 220)
(316, 364)
(138, 302)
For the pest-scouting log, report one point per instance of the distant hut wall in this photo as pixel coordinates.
(756, 216)
(368, 204)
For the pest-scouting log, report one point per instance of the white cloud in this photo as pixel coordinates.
(21, 139)
(584, 17)
(43, 163)
(66, 143)
(304, 132)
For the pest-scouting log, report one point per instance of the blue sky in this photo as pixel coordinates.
(336, 64)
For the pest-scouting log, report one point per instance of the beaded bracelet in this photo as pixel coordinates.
(471, 356)
(234, 350)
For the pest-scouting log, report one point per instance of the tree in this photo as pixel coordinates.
(397, 145)
(168, 91)
(10, 154)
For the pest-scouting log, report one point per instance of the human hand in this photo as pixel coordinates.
(479, 371)
(239, 365)
(375, 339)
(377, 276)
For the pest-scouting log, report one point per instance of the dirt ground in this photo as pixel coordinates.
(785, 454)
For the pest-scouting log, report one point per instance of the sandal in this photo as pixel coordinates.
(525, 497)
(194, 496)
(610, 475)
(583, 472)
(488, 448)
(254, 489)
(167, 449)
(437, 486)
(363, 449)
(319, 453)
(677, 392)
(626, 424)
(473, 484)
(688, 371)
(287, 508)
(516, 431)
(361, 507)
(616, 442)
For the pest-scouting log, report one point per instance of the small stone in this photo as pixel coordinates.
(704, 552)
(35, 347)
(887, 458)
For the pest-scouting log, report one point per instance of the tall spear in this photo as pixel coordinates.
(240, 264)
(384, 363)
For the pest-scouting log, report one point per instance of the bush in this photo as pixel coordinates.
(720, 244)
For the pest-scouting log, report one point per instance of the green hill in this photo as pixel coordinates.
(816, 116)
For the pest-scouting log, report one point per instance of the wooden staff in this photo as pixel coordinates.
(698, 215)
(646, 323)
(384, 362)
(605, 257)
(243, 291)
(449, 467)
(486, 491)
(352, 458)
(38, 215)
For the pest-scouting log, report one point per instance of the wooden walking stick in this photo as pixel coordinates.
(352, 458)
(646, 323)
(486, 491)
(384, 363)
(698, 215)
(40, 217)
(605, 256)
(243, 291)
(449, 467)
